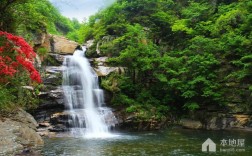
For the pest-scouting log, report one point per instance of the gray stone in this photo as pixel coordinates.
(212, 124)
(25, 118)
(100, 61)
(191, 124)
(59, 58)
(54, 69)
(105, 71)
(39, 38)
(18, 133)
(56, 94)
(89, 43)
(52, 79)
(226, 121)
(8, 139)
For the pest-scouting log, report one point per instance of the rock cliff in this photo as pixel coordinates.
(55, 44)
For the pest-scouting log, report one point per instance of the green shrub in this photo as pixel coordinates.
(42, 51)
(6, 99)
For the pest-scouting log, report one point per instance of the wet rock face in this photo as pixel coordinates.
(18, 133)
(51, 103)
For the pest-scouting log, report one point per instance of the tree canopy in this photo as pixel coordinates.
(184, 55)
(27, 17)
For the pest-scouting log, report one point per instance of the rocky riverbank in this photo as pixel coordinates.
(219, 121)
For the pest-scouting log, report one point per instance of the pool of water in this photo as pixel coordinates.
(177, 142)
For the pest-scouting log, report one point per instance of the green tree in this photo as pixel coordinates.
(179, 55)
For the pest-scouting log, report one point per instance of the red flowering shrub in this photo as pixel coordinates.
(16, 54)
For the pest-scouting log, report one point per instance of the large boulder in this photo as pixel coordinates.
(62, 45)
(58, 44)
(25, 118)
(18, 133)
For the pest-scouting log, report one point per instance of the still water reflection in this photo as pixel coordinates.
(175, 142)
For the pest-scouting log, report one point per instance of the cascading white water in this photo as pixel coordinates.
(84, 99)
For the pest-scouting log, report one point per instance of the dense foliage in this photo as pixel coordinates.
(31, 17)
(179, 55)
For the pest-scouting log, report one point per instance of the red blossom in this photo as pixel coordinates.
(15, 52)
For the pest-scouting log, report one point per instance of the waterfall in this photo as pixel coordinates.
(84, 100)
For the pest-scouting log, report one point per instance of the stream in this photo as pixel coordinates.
(175, 142)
